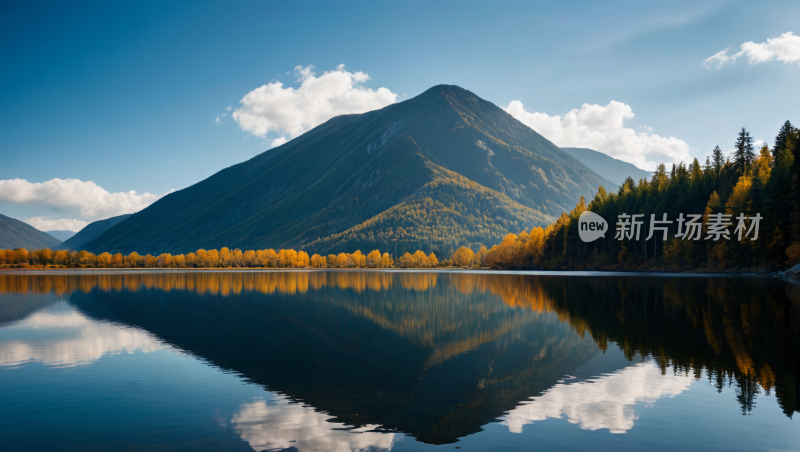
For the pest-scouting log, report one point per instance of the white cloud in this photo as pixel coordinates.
(221, 116)
(64, 224)
(278, 141)
(92, 200)
(602, 128)
(281, 425)
(607, 402)
(272, 107)
(72, 339)
(785, 47)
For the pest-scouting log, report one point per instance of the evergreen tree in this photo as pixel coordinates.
(783, 135)
(743, 155)
(718, 159)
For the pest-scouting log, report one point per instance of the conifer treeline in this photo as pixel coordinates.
(752, 183)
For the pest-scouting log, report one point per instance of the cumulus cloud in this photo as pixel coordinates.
(272, 107)
(606, 402)
(278, 141)
(72, 339)
(64, 224)
(602, 128)
(785, 47)
(282, 425)
(91, 199)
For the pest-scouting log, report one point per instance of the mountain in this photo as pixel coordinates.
(90, 232)
(61, 235)
(608, 167)
(440, 170)
(16, 234)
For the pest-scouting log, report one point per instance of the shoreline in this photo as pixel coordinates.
(786, 276)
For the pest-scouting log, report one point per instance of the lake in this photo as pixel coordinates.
(379, 360)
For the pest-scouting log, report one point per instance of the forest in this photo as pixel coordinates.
(757, 184)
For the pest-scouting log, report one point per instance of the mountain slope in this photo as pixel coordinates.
(354, 167)
(16, 234)
(612, 169)
(446, 213)
(90, 232)
(61, 234)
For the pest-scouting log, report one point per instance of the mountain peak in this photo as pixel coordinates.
(435, 172)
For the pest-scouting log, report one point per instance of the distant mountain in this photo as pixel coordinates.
(16, 234)
(90, 232)
(612, 169)
(440, 170)
(61, 235)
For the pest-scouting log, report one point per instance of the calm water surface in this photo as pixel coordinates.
(341, 361)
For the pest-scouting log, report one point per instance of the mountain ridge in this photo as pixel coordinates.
(90, 232)
(17, 234)
(61, 234)
(615, 170)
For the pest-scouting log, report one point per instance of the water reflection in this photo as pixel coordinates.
(607, 402)
(61, 336)
(358, 355)
(279, 424)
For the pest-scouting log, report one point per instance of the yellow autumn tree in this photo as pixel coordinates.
(761, 165)
(420, 259)
(463, 257)
(249, 259)
(201, 258)
(287, 258)
(332, 260)
(534, 250)
(318, 261)
(302, 260)
(406, 260)
(212, 259)
(225, 257)
(374, 259)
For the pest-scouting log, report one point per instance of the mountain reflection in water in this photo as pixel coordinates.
(357, 359)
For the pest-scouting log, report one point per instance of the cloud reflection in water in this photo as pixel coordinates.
(606, 402)
(61, 336)
(280, 424)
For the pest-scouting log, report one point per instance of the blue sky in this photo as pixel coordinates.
(126, 94)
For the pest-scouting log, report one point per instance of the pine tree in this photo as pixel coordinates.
(783, 135)
(743, 155)
(718, 159)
